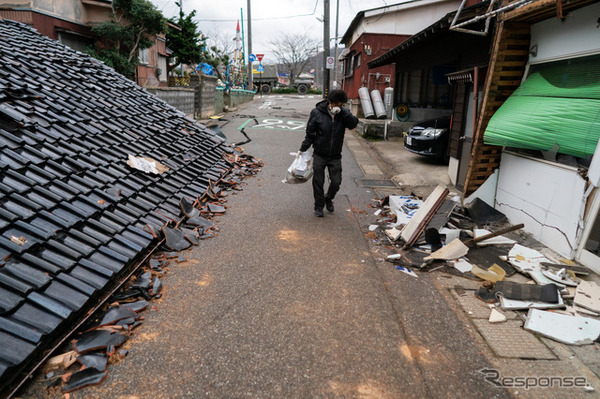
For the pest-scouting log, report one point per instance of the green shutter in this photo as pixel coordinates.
(559, 103)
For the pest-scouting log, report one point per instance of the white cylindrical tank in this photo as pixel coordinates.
(365, 102)
(378, 104)
(388, 101)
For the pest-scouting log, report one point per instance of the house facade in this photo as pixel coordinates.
(70, 23)
(434, 75)
(374, 32)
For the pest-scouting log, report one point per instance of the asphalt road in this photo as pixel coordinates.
(283, 304)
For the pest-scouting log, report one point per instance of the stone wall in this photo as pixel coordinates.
(181, 98)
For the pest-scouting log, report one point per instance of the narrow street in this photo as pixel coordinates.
(283, 304)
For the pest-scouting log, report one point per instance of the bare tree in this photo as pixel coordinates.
(294, 52)
(222, 41)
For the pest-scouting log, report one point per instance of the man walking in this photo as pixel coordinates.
(325, 131)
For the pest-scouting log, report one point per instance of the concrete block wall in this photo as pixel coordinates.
(237, 97)
(219, 101)
(181, 98)
(206, 93)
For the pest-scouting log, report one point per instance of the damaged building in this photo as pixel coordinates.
(525, 122)
(76, 217)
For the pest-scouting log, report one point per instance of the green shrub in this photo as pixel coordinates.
(285, 90)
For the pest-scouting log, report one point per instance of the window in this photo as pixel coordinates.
(357, 61)
(349, 64)
(144, 56)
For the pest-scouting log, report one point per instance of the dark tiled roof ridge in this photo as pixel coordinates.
(73, 214)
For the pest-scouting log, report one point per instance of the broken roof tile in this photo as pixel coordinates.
(72, 212)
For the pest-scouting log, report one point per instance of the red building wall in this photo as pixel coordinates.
(45, 24)
(359, 76)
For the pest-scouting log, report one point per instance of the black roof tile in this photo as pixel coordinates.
(26, 273)
(89, 277)
(9, 244)
(9, 300)
(26, 202)
(66, 295)
(14, 350)
(20, 330)
(87, 239)
(108, 262)
(14, 283)
(102, 270)
(64, 190)
(49, 304)
(76, 283)
(34, 316)
(101, 225)
(58, 257)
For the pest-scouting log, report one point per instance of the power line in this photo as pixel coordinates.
(263, 19)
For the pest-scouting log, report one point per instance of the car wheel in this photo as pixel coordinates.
(302, 89)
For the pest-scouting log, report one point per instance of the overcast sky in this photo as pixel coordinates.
(270, 18)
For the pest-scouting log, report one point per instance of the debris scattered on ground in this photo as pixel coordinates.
(494, 273)
(572, 330)
(478, 243)
(453, 250)
(587, 296)
(407, 271)
(496, 317)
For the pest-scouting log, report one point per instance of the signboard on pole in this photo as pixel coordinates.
(252, 58)
(259, 57)
(260, 68)
(329, 64)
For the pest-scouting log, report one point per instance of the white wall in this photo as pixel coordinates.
(544, 196)
(404, 19)
(578, 34)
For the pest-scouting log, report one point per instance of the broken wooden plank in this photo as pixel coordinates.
(419, 221)
(494, 234)
(442, 215)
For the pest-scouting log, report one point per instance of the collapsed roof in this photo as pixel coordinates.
(74, 217)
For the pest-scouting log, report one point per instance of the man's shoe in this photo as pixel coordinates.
(319, 213)
(329, 205)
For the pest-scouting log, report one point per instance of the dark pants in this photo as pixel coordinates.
(334, 166)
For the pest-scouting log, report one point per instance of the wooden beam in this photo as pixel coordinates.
(506, 44)
(529, 8)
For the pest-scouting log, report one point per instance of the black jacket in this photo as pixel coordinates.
(326, 134)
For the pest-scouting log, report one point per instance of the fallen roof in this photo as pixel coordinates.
(72, 212)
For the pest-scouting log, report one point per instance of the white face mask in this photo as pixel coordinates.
(336, 110)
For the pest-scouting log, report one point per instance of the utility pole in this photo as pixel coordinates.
(335, 59)
(181, 16)
(326, 48)
(250, 79)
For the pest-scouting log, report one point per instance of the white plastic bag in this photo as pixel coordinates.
(300, 171)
